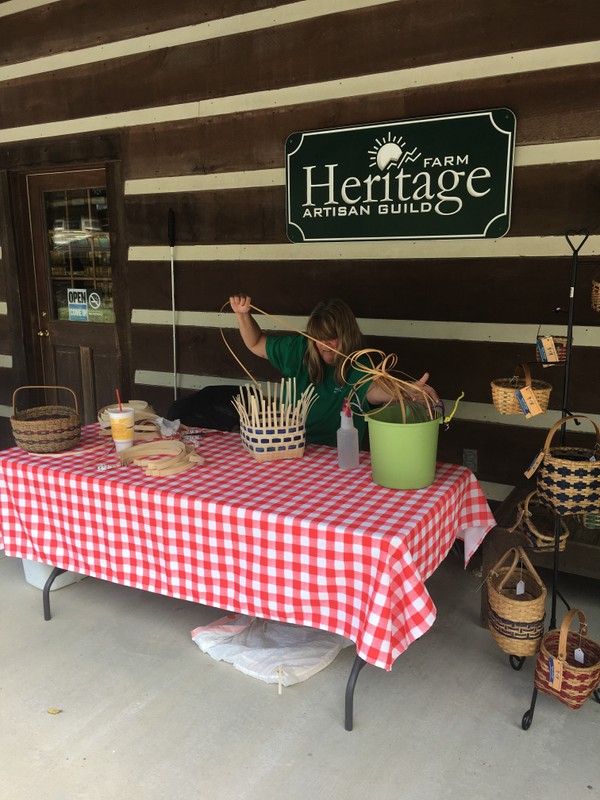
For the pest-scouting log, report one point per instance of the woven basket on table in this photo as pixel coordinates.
(274, 443)
(536, 522)
(569, 477)
(578, 680)
(516, 621)
(560, 343)
(504, 391)
(46, 429)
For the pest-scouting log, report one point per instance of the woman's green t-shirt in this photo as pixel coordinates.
(286, 353)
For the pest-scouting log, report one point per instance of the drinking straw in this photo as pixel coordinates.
(119, 400)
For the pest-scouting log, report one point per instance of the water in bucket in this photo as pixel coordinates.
(403, 454)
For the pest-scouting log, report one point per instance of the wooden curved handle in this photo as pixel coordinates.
(526, 373)
(497, 566)
(531, 568)
(562, 421)
(564, 630)
(66, 388)
(520, 555)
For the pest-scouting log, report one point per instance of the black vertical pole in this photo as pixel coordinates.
(565, 406)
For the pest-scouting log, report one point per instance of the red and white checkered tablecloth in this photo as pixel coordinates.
(294, 540)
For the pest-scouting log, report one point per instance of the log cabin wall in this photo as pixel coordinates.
(195, 100)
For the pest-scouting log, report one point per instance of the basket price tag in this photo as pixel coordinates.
(579, 655)
(520, 587)
(547, 350)
(528, 402)
(555, 673)
(534, 464)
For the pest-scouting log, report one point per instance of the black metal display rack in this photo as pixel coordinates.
(575, 240)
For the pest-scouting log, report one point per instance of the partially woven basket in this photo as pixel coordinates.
(272, 444)
(516, 621)
(504, 391)
(46, 429)
(578, 680)
(532, 516)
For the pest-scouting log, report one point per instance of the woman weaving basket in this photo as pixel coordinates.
(334, 326)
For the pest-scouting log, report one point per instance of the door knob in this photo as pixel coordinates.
(43, 333)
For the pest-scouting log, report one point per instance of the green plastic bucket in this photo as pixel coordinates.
(403, 454)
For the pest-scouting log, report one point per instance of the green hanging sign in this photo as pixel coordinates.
(447, 177)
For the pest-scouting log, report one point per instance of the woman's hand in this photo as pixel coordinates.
(424, 388)
(377, 395)
(240, 303)
(254, 339)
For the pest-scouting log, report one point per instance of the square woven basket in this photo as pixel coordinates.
(272, 444)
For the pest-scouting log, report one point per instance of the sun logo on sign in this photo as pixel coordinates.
(389, 152)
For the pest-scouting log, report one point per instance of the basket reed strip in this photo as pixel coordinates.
(277, 407)
(404, 391)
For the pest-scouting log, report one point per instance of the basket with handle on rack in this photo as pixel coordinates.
(504, 391)
(536, 522)
(516, 604)
(568, 663)
(46, 429)
(569, 477)
(560, 346)
(596, 295)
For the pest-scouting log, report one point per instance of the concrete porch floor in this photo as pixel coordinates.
(146, 715)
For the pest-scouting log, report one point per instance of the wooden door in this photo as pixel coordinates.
(72, 274)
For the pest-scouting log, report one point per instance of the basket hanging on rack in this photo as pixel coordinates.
(504, 391)
(46, 429)
(557, 656)
(569, 477)
(596, 295)
(532, 516)
(516, 621)
(560, 345)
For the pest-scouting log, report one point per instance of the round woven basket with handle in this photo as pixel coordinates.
(46, 429)
(504, 391)
(579, 680)
(560, 343)
(569, 477)
(516, 621)
(536, 521)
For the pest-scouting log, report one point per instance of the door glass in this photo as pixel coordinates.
(79, 254)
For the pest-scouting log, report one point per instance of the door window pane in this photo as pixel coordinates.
(79, 254)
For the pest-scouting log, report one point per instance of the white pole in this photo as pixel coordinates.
(171, 231)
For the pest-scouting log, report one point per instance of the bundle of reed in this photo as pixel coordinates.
(376, 366)
(272, 420)
(181, 457)
(276, 407)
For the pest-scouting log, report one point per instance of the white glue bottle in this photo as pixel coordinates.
(347, 439)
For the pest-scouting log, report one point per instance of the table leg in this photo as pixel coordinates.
(356, 668)
(46, 591)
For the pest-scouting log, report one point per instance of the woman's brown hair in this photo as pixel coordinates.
(331, 319)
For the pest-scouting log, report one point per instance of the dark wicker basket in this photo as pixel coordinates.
(46, 429)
